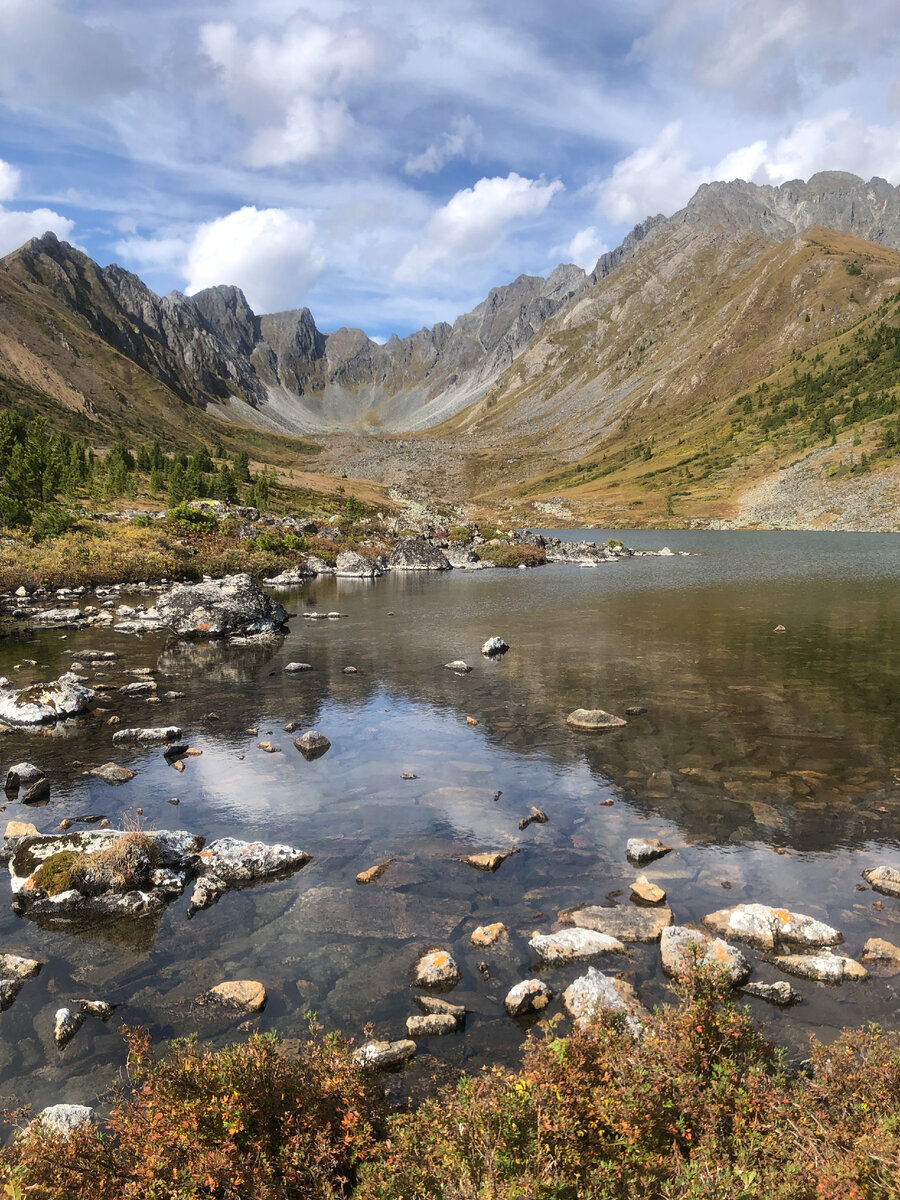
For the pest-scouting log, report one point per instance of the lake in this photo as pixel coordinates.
(753, 742)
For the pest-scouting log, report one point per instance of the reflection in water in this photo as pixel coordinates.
(752, 742)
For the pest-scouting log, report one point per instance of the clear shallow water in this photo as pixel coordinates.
(752, 740)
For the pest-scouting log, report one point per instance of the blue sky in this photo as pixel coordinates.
(387, 164)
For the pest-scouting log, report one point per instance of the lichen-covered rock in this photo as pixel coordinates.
(883, 879)
(65, 1119)
(780, 993)
(531, 995)
(220, 608)
(415, 554)
(626, 924)
(593, 720)
(434, 1004)
(234, 860)
(112, 773)
(437, 969)
(825, 967)
(487, 935)
(383, 1055)
(768, 928)
(682, 948)
(356, 566)
(881, 951)
(494, 646)
(42, 702)
(596, 992)
(431, 1025)
(642, 850)
(246, 995)
(149, 735)
(574, 945)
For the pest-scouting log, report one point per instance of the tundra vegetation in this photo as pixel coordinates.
(697, 1105)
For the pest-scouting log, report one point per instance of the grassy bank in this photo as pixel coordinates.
(700, 1105)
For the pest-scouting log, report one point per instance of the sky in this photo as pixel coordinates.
(387, 164)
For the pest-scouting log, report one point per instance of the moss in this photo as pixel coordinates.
(60, 872)
(122, 865)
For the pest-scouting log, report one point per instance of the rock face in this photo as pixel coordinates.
(769, 928)
(246, 995)
(883, 879)
(529, 996)
(826, 967)
(681, 948)
(415, 554)
(642, 850)
(593, 720)
(626, 924)
(574, 945)
(596, 992)
(41, 702)
(437, 969)
(220, 608)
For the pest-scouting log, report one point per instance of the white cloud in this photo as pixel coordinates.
(293, 90)
(463, 141)
(584, 249)
(269, 253)
(475, 220)
(17, 227)
(663, 176)
(10, 178)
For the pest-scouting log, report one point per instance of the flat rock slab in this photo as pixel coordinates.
(44, 702)
(826, 968)
(373, 873)
(487, 935)
(149, 735)
(883, 879)
(431, 1025)
(488, 861)
(626, 924)
(646, 891)
(780, 993)
(434, 1004)
(112, 773)
(574, 945)
(768, 928)
(437, 969)
(642, 850)
(881, 951)
(377, 912)
(246, 995)
(529, 996)
(681, 949)
(384, 1055)
(596, 992)
(593, 720)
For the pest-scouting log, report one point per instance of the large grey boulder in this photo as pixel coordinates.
(229, 862)
(356, 566)
(596, 992)
(825, 967)
(64, 1119)
(415, 554)
(383, 1055)
(681, 948)
(41, 702)
(220, 608)
(769, 928)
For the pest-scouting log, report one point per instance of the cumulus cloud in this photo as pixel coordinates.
(293, 90)
(462, 141)
(475, 220)
(17, 227)
(584, 249)
(662, 176)
(269, 253)
(47, 55)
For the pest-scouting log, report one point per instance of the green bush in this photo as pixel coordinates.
(459, 533)
(196, 518)
(506, 555)
(51, 522)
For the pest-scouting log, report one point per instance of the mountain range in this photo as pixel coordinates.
(651, 348)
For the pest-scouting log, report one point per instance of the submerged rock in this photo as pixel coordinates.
(682, 948)
(626, 924)
(487, 935)
(434, 1004)
(780, 993)
(883, 879)
(825, 967)
(220, 608)
(878, 950)
(382, 1055)
(529, 996)
(574, 945)
(596, 992)
(768, 928)
(646, 891)
(246, 995)
(490, 860)
(373, 873)
(593, 720)
(459, 666)
(42, 702)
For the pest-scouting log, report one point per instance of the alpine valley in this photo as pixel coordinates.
(734, 364)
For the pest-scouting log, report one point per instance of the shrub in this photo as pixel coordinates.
(490, 534)
(242, 1123)
(614, 544)
(194, 518)
(51, 522)
(459, 533)
(503, 554)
